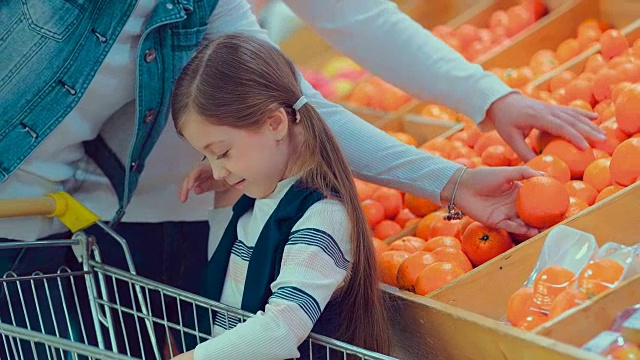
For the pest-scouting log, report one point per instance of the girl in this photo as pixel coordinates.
(295, 249)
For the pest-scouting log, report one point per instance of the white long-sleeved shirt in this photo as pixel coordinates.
(374, 32)
(314, 264)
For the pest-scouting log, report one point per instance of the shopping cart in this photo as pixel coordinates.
(68, 338)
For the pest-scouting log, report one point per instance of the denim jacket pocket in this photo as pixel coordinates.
(185, 44)
(53, 18)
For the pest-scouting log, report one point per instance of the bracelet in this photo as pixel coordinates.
(452, 214)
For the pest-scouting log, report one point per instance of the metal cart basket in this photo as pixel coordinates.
(92, 286)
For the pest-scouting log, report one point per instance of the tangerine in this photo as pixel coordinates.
(391, 200)
(442, 241)
(373, 211)
(576, 159)
(597, 174)
(386, 228)
(411, 267)
(625, 162)
(454, 256)
(542, 201)
(627, 110)
(389, 263)
(410, 244)
(419, 206)
(552, 166)
(436, 275)
(481, 243)
(582, 190)
(549, 283)
(599, 276)
(520, 304)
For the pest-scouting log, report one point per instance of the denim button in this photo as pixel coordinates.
(134, 165)
(150, 55)
(149, 116)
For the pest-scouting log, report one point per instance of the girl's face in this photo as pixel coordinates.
(253, 161)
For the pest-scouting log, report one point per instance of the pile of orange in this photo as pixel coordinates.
(557, 289)
(473, 42)
(439, 252)
(588, 34)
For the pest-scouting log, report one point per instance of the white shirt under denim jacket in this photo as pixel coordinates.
(100, 74)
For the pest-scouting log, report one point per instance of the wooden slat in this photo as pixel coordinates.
(434, 330)
(599, 314)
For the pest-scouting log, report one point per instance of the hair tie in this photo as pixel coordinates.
(300, 103)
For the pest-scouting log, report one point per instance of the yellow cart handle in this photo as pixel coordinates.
(68, 210)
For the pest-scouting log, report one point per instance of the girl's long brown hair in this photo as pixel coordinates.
(238, 80)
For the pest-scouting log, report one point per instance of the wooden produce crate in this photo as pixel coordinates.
(547, 33)
(462, 320)
(600, 314)
(632, 33)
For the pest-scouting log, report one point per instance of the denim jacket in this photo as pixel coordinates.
(49, 53)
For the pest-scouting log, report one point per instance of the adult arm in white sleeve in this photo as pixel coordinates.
(314, 264)
(373, 155)
(386, 41)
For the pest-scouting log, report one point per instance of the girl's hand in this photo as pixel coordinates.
(488, 195)
(185, 356)
(200, 180)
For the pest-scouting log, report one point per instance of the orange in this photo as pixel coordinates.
(519, 19)
(542, 201)
(533, 320)
(608, 191)
(442, 227)
(559, 96)
(566, 300)
(628, 351)
(469, 135)
(594, 63)
(588, 36)
(549, 283)
(389, 263)
(520, 304)
(627, 110)
(487, 139)
(629, 71)
(543, 61)
(373, 212)
(464, 224)
(567, 50)
(614, 137)
(379, 247)
(481, 243)
(411, 267)
(440, 145)
(442, 241)
(617, 89)
(496, 155)
(419, 206)
(625, 162)
(597, 174)
(454, 256)
(581, 104)
(404, 138)
(404, 216)
(613, 43)
(498, 19)
(436, 275)
(576, 159)
(600, 154)
(386, 228)
(410, 244)
(552, 166)
(466, 33)
(391, 200)
(438, 112)
(422, 230)
(461, 150)
(364, 189)
(599, 276)
(603, 82)
(575, 206)
(579, 88)
(582, 190)
(605, 110)
(517, 78)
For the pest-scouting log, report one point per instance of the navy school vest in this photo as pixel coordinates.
(264, 264)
